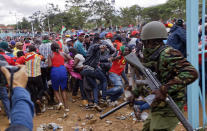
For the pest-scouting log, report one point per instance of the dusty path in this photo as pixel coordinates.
(77, 118)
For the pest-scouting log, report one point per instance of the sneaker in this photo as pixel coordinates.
(103, 103)
(9, 121)
(89, 106)
(59, 106)
(84, 102)
(39, 106)
(98, 108)
(144, 116)
(67, 109)
(43, 108)
(49, 82)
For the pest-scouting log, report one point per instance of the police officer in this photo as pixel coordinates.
(173, 71)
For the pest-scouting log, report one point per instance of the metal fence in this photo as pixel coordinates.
(196, 94)
(3, 35)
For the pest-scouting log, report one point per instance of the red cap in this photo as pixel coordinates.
(134, 33)
(109, 35)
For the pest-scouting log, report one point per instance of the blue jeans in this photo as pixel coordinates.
(83, 94)
(5, 100)
(115, 92)
(91, 77)
(142, 105)
(123, 75)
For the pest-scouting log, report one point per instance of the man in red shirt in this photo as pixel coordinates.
(117, 67)
(5, 47)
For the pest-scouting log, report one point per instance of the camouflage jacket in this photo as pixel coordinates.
(173, 71)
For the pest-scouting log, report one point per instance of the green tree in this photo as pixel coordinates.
(24, 24)
(171, 9)
(104, 10)
(130, 15)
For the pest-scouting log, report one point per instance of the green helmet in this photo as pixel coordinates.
(154, 30)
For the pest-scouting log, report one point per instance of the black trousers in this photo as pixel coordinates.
(45, 73)
(35, 88)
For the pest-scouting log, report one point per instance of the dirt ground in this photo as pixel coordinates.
(76, 119)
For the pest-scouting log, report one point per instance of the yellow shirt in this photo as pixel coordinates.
(15, 51)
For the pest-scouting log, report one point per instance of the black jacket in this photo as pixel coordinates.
(93, 56)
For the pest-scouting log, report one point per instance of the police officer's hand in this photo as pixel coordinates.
(20, 77)
(160, 94)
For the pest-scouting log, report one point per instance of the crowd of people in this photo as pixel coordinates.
(94, 65)
(89, 63)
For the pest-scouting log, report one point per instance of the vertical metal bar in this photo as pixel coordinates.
(32, 29)
(203, 62)
(192, 55)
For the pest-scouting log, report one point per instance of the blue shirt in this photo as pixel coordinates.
(79, 47)
(22, 111)
(177, 39)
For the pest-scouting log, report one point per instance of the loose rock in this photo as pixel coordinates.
(59, 119)
(91, 116)
(92, 121)
(90, 129)
(65, 115)
(50, 108)
(121, 118)
(87, 116)
(108, 122)
(79, 118)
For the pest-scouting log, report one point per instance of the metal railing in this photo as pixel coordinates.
(194, 92)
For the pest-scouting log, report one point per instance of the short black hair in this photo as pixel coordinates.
(32, 48)
(45, 37)
(96, 38)
(37, 42)
(118, 37)
(73, 51)
(87, 36)
(20, 53)
(27, 41)
(55, 47)
(179, 22)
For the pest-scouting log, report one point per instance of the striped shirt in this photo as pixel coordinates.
(45, 51)
(32, 62)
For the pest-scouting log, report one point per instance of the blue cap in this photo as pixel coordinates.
(12, 42)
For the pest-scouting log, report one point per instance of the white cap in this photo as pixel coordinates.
(68, 39)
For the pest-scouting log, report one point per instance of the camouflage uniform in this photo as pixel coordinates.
(174, 72)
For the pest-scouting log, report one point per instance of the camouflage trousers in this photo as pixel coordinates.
(161, 121)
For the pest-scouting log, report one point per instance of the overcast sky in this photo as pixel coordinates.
(25, 8)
